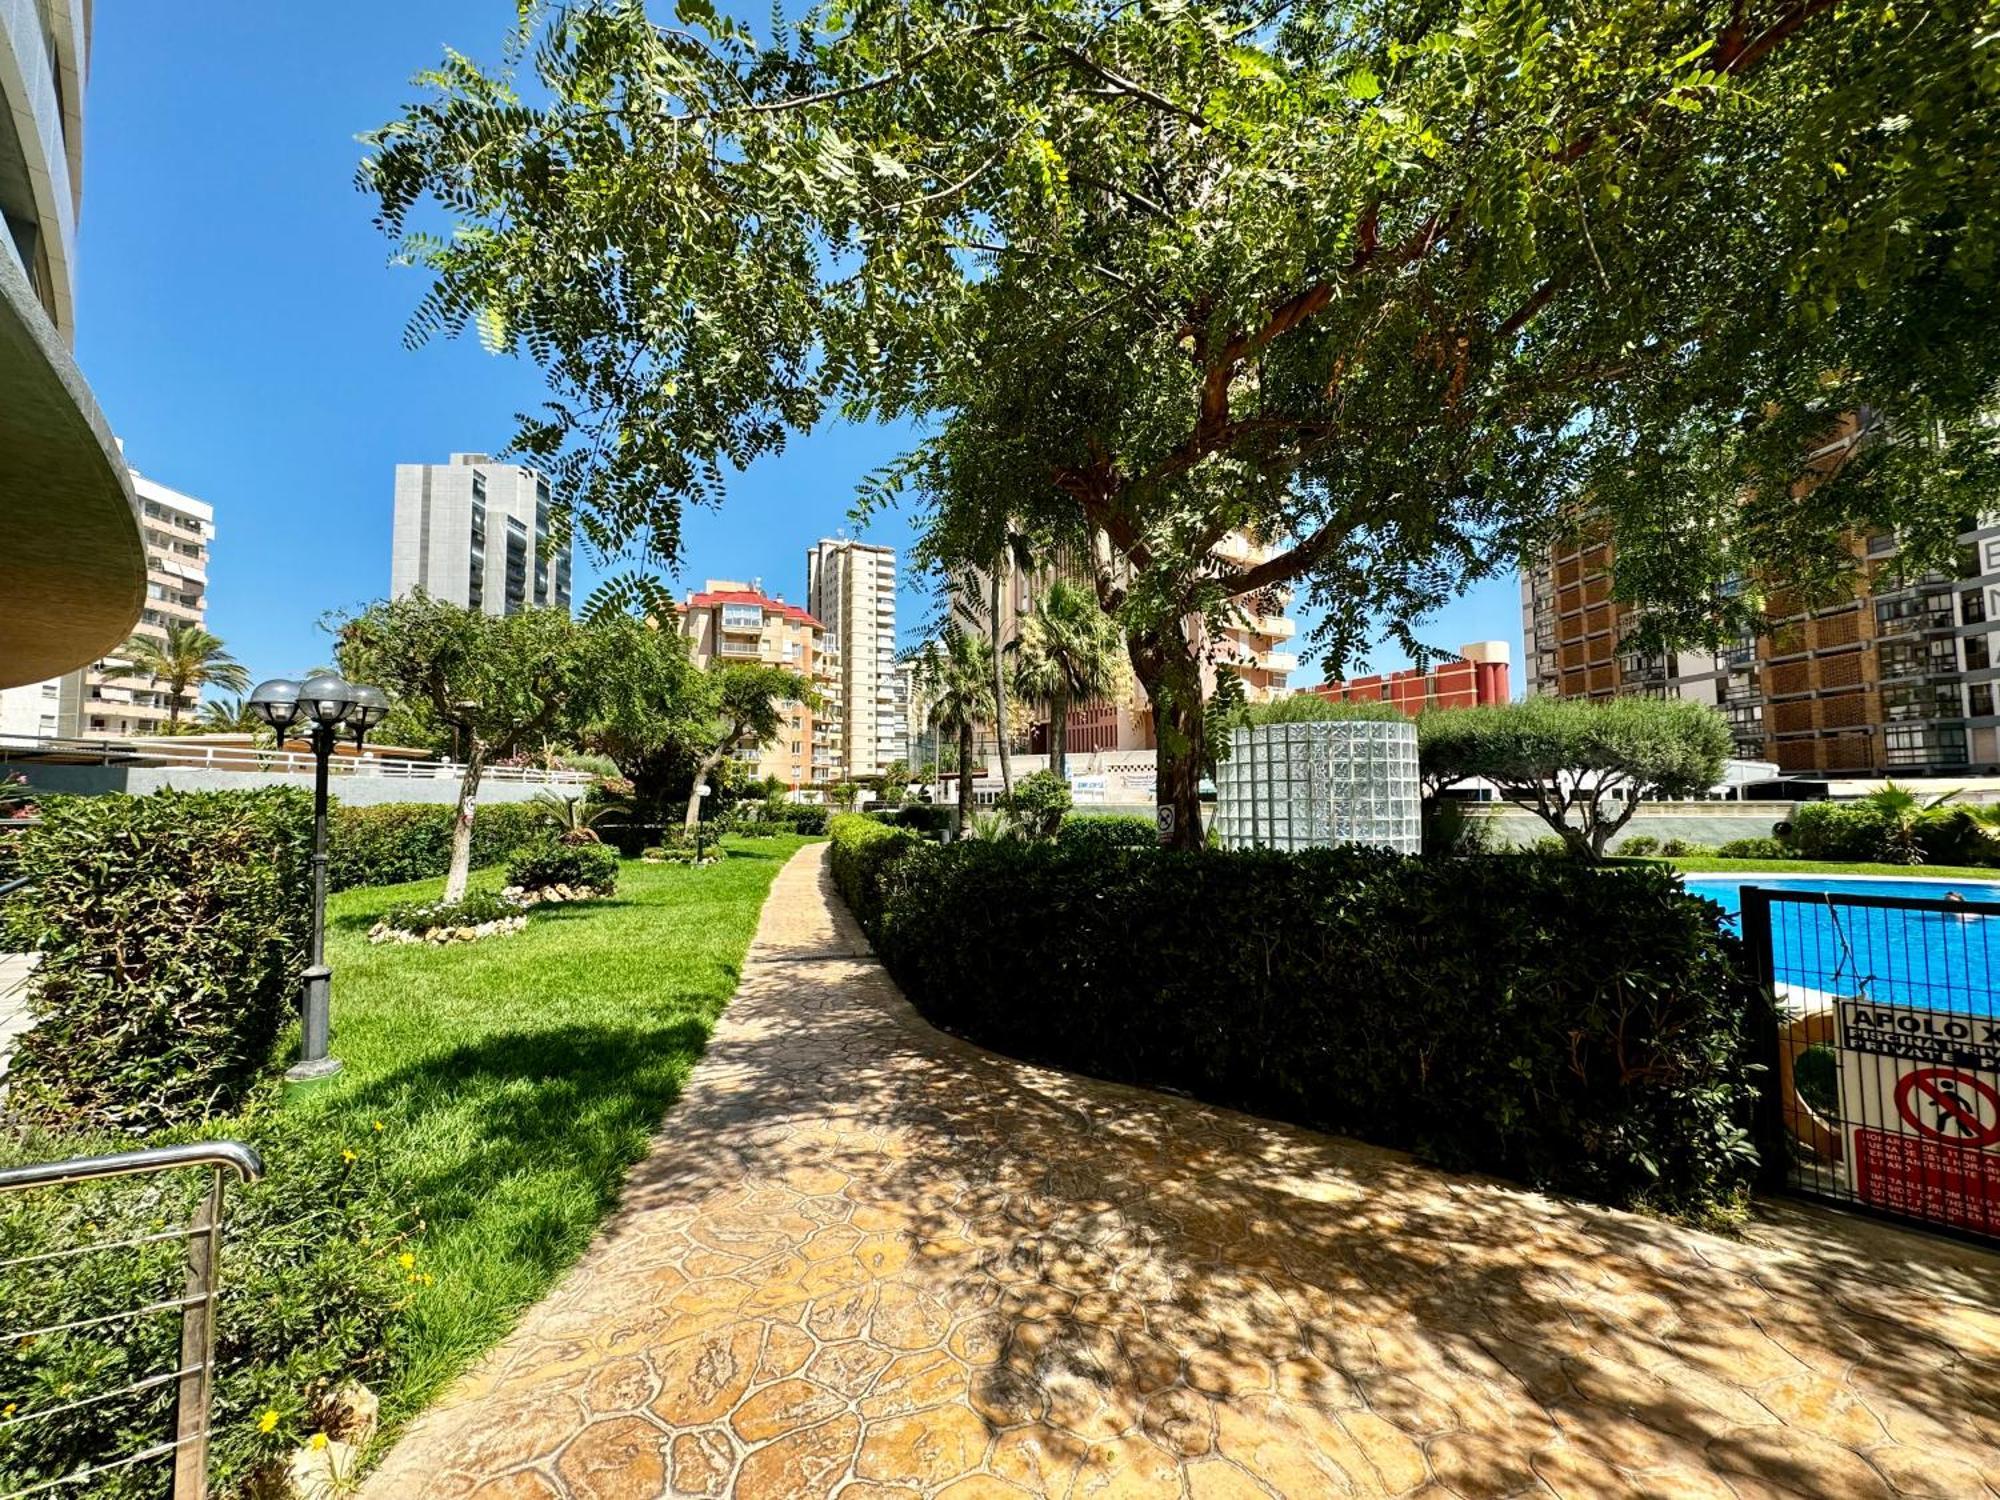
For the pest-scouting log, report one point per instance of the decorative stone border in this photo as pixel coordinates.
(382, 932)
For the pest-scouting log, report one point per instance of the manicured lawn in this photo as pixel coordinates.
(514, 1080)
(1710, 865)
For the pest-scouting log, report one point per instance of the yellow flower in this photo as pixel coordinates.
(317, 1440)
(347, 1155)
(11, 1409)
(269, 1421)
(379, 1127)
(406, 1260)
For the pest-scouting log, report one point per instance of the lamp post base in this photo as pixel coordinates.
(318, 1070)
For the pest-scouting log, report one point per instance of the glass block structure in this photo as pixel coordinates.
(1304, 786)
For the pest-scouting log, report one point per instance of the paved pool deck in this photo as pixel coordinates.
(866, 1259)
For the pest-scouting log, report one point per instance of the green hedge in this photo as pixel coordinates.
(546, 861)
(797, 817)
(1860, 831)
(1084, 831)
(863, 852)
(401, 841)
(1579, 1028)
(173, 930)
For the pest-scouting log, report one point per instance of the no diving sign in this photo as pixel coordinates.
(1920, 1096)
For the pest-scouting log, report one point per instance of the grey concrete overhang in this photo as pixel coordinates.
(72, 565)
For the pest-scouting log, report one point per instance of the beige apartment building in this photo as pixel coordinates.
(733, 622)
(851, 590)
(107, 699)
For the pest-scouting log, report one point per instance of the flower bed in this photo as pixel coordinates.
(480, 915)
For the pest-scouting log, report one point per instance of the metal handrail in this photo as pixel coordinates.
(194, 1370)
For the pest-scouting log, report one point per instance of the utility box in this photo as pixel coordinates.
(1308, 785)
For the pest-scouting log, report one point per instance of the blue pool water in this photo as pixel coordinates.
(1935, 960)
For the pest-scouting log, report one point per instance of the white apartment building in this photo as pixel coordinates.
(475, 533)
(851, 591)
(107, 699)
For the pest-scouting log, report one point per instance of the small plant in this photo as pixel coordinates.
(653, 854)
(550, 865)
(572, 818)
(1639, 846)
(1753, 848)
(1684, 849)
(1039, 804)
(480, 914)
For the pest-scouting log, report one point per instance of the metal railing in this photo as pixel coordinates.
(1882, 1072)
(253, 758)
(192, 1380)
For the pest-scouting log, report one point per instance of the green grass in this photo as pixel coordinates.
(516, 1079)
(1711, 865)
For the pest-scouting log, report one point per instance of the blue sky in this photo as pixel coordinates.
(242, 328)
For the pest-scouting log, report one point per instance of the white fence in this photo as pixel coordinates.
(250, 758)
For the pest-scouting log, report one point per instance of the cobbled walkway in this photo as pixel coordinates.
(868, 1260)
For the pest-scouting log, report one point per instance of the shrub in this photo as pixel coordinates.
(1577, 1027)
(539, 865)
(1104, 832)
(653, 853)
(477, 907)
(403, 841)
(1638, 846)
(1549, 846)
(1683, 849)
(1753, 848)
(932, 819)
(173, 930)
(863, 851)
(797, 817)
(1039, 803)
(1450, 827)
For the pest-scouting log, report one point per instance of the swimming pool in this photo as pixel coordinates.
(1933, 960)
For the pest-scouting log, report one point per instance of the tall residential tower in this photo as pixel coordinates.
(851, 590)
(475, 533)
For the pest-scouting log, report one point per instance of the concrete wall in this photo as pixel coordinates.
(355, 791)
(1696, 822)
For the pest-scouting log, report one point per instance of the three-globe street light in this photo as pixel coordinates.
(323, 704)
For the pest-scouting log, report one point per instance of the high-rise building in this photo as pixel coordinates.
(1479, 677)
(76, 570)
(108, 698)
(476, 533)
(851, 590)
(1900, 678)
(730, 622)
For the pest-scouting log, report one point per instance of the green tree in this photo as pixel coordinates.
(743, 707)
(1391, 290)
(955, 675)
(1069, 651)
(499, 683)
(1903, 811)
(230, 716)
(188, 659)
(1582, 767)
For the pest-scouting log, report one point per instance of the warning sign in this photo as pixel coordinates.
(1920, 1098)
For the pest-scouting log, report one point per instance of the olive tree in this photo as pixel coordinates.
(1582, 767)
(1357, 298)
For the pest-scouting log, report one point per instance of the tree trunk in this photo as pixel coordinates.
(965, 778)
(461, 822)
(1059, 732)
(1000, 687)
(1165, 665)
(700, 781)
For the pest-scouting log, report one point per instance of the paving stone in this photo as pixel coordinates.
(869, 1260)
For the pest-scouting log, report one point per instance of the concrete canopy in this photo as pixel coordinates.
(75, 571)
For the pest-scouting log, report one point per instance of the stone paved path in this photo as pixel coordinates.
(869, 1261)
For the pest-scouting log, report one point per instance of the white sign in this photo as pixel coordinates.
(1920, 1108)
(1088, 788)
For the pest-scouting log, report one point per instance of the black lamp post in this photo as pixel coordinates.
(323, 704)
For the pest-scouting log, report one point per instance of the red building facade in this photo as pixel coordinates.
(1480, 676)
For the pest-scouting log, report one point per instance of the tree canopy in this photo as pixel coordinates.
(1397, 290)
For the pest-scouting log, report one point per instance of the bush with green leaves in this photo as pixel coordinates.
(863, 852)
(314, 1275)
(1106, 831)
(395, 842)
(1578, 1027)
(1887, 828)
(1638, 846)
(1752, 848)
(547, 862)
(476, 908)
(1683, 849)
(173, 931)
(797, 817)
(1039, 803)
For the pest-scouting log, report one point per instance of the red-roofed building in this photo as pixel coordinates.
(1479, 677)
(729, 622)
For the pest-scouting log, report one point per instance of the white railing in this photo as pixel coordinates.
(239, 757)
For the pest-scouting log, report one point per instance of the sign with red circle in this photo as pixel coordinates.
(1950, 1105)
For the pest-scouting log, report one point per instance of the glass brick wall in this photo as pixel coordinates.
(1304, 786)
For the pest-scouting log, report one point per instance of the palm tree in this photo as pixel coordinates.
(1070, 651)
(189, 658)
(956, 676)
(230, 716)
(1903, 810)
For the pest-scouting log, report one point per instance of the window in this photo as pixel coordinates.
(742, 617)
(1977, 653)
(1989, 551)
(1972, 607)
(1979, 700)
(51, 689)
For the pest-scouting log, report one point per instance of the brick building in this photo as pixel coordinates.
(1481, 675)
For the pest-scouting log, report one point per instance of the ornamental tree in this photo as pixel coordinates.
(742, 706)
(1394, 290)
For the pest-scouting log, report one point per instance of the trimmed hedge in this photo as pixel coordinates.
(1106, 831)
(537, 866)
(798, 817)
(173, 930)
(863, 852)
(402, 841)
(1584, 1029)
